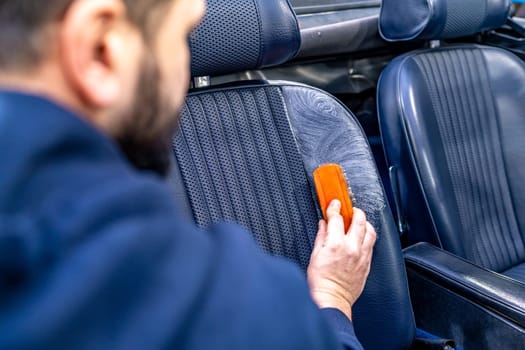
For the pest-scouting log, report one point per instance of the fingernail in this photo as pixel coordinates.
(336, 204)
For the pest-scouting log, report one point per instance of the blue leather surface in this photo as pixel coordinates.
(453, 110)
(491, 290)
(447, 307)
(326, 132)
(240, 163)
(253, 139)
(517, 273)
(439, 19)
(238, 35)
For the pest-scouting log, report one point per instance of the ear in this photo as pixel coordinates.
(92, 46)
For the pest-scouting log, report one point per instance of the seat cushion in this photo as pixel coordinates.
(246, 153)
(517, 272)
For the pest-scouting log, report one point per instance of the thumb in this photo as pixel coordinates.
(335, 225)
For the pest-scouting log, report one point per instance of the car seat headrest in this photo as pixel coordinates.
(238, 35)
(440, 19)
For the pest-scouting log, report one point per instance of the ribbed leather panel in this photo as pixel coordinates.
(459, 87)
(517, 273)
(240, 163)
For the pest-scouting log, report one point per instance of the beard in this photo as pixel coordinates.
(145, 137)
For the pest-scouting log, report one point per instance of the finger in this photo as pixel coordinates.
(369, 239)
(335, 225)
(357, 231)
(334, 209)
(321, 234)
(371, 230)
(368, 246)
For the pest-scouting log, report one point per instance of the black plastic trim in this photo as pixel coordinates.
(356, 4)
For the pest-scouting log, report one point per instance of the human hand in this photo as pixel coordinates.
(340, 263)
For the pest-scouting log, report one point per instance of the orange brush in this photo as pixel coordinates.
(330, 184)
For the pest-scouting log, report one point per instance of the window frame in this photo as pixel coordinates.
(329, 5)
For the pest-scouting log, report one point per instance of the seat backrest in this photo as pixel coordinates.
(452, 123)
(245, 152)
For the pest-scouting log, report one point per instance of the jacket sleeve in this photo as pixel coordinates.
(118, 269)
(344, 328)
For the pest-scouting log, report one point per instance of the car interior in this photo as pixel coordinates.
(420, 103)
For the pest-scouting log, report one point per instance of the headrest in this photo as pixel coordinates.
(440, 19)
(238, 35)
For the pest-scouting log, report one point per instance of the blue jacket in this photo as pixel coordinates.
(94, 256)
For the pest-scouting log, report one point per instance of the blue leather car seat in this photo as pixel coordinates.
(245, 152)
(453, 126)
(453, 121)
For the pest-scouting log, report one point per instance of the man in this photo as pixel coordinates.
(92, 252)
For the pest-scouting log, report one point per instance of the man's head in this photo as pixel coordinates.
(122, 64)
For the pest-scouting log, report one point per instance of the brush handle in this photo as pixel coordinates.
(330, 184)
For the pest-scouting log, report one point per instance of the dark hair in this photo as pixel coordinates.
(23, 22)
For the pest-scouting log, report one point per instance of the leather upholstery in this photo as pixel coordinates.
(442, 310)
(326, 132)
(238, 35)
(491, 290)
(257, 140)
(244, 153)
(456, 113)
(440, 19)
(517, 272)
(240, 163)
